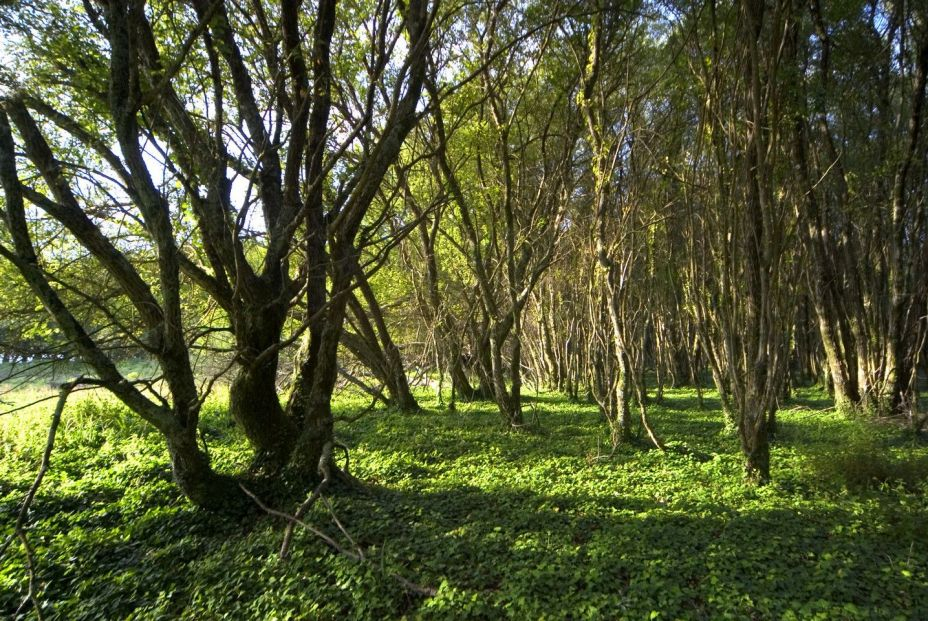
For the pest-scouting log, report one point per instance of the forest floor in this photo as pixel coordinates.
(526, 525)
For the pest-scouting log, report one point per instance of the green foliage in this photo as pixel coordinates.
(503, 525)
(866, 462)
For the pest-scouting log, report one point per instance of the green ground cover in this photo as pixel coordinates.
(528, 525)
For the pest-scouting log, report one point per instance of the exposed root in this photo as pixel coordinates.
(346, 468)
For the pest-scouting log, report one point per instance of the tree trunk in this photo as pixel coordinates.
(396, 381)
(821, 279)
(253, 400)
(509, 402)
(484, 362)
(255, 406)
(623, 414)
(755, 445)
(460, 383)
(196, 479)
(315, 378)
(311, 402)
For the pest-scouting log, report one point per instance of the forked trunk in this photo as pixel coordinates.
(311, 401)
(255, 406)
(253, 400)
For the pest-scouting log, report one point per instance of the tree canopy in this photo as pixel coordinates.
(588, 195)
(602, 199)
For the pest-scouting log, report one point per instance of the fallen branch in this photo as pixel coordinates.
(338, 523)
(297, 522)
(357, 555)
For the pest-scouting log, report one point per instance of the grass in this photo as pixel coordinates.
(527, 525)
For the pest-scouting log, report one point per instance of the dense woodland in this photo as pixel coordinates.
(464, 203)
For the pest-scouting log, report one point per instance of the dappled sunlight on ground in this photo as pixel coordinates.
(542, 523)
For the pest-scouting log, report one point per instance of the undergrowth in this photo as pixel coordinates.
(524, 525)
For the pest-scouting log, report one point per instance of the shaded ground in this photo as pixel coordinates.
(543, 524)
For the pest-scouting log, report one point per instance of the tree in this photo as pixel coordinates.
(862, 208)
(521, 171)
(738, 282)
(611, 103)
(232, 106)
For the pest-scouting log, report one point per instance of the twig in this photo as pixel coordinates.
(358, 556)
(20, 408)
(293, 520)
(18, 528)
(338, 523)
